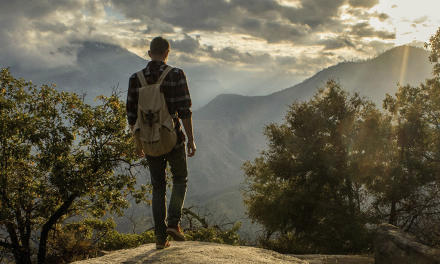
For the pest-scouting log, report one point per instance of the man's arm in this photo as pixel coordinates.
(131, 106)
(188, 126)
(132, 99)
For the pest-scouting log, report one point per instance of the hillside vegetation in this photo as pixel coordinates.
(338, 166)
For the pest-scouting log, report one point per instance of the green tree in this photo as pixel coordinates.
(405, 184)
(434, 43)
(59, 157)
(304, 186)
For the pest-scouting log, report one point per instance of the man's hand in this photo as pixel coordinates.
(140, 153)
(191, 148)
(187, 124)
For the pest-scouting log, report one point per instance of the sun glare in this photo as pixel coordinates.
(290, 3)
(412, 22)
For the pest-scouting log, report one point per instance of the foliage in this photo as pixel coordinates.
(305, 177)
(59, 157)
(78, 240)
(215, 235)
(434, 43)
(292, 244)
(115, 240)
(198, 226)
(82, 240)
(405, 188)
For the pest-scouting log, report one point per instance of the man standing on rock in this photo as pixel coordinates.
(178, 101)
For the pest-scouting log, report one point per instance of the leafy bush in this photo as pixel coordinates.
(297, 244)
(78, 240)
(215, 235)
(116, 241)
(83, 239)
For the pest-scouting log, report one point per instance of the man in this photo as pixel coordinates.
(178, 101)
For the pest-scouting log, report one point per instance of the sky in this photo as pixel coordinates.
(251, 47)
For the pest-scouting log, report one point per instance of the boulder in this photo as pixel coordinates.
(392, 245)
(193, 252)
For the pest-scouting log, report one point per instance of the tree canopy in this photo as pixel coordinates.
(59, 157)
(305, 177)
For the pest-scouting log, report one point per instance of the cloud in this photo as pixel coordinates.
(275, 32)
(187, 44)
(363, 3)
(265, 19)
(307, 64)
(420, 19)
(42, 34)
(156, 26)
(338, 43)
(382, 16)
(229, 54)
(364, 29)
(314, 13)
(187, 58)
(55, 27)
(286, 60)
(364, 15)
(187, 14)
(380, 46)
(256, 36)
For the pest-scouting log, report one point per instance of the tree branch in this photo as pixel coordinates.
(48, 225)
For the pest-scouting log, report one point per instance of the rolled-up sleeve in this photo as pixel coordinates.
(182, 100)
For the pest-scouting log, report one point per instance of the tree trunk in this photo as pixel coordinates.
(42, 249)
(393, 214)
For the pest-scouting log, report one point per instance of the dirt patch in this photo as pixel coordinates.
(336, 259)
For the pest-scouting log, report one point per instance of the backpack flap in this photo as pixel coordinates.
(149, 98)
(148, 112)
(149, 124)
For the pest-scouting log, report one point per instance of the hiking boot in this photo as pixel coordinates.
(175, 233)
(162, 245)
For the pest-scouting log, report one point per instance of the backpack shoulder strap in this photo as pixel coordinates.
(164, 73)
(142, 79)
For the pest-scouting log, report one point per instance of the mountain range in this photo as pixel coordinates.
(228, 128)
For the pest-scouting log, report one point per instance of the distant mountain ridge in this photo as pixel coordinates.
(100, 67)
(373, 79)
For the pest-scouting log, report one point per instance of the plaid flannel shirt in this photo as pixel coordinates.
(174, 87)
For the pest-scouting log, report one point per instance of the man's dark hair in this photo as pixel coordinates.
(159, 46)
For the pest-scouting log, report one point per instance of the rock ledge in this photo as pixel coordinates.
(392, 245)
(193, 252)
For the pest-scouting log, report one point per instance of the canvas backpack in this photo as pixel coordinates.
(154, 131)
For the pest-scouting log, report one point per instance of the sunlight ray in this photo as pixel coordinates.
(404, 65)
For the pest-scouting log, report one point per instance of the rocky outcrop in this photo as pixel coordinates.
(193, 252)
(336, 259)
(392, 245)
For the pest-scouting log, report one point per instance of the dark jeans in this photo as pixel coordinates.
(157, 165)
